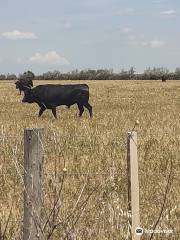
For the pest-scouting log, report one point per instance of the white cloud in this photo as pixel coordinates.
(154, 43)
(151, 44)
(168, 12)
(157, 43)
(16, 35)
(51, 57)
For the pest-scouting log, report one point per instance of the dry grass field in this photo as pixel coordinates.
(93, 197)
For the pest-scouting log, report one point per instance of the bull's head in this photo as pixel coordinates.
(17, 84)
(28, 96)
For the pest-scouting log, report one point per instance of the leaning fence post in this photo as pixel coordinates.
(33, 159)
(133, 185)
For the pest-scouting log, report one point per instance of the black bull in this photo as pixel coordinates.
(23, 84)
(50, 96)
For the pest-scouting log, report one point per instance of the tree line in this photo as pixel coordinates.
(99, 74)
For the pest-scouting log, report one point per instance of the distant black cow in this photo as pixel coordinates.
(23, 84)
(50, 96)
(163, 78)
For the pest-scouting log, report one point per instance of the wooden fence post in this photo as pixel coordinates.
(133, 185)
(33, 159)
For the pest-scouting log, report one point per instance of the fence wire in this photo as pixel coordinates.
(120, 142)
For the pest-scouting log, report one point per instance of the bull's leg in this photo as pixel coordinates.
(89, 107)
(20, 92)
(81, 109)
(42, 109)
(54, 112)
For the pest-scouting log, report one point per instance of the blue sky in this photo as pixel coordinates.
(43, 35)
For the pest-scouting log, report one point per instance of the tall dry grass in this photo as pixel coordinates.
(86, 159)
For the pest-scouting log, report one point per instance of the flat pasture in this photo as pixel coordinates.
(86, 160)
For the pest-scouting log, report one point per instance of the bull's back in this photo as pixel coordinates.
(60, 94)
